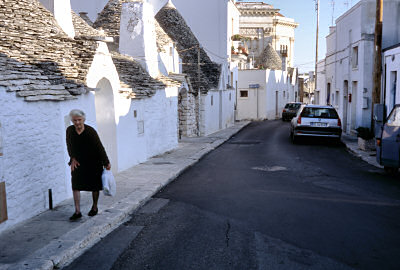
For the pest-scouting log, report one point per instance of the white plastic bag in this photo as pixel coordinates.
(109, 185)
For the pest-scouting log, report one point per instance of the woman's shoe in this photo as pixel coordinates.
(75, 216)
(93, 212)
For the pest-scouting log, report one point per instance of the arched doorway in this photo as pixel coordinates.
(105, 117)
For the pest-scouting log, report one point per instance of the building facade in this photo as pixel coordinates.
(262, 24)
(345, 77)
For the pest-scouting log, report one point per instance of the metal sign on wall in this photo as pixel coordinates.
(252, 86)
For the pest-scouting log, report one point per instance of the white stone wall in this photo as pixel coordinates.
(138, 36)
(33, 156)
(209, 112)
(33, 138)
(228, 104)
(275, 90)
(62, 13)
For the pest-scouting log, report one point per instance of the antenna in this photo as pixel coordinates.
(333, 10)
(348, 4)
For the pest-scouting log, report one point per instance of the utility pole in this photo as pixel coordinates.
(316, 45)
(376, 91)
(198, 86)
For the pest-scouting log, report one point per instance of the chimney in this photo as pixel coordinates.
(61, 10)
(138, 35)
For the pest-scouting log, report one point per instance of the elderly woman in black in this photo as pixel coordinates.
(87, 160)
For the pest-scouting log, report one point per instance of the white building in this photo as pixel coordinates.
(214, 36)
(348, 67)
(136, 115)
(215, 106)
(262, 94)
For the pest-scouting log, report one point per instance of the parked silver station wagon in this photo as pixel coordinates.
(316, 121)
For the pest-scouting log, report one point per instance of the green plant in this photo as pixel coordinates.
(365, 133)
(237, 37)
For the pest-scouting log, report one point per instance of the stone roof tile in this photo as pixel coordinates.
(134, 79)
(83, 30)
(270, 59)
(32, 45)
(109, 18)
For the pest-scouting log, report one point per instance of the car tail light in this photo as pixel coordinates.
(299, 120)
(284, 110)
(378, 142)
(339, 123)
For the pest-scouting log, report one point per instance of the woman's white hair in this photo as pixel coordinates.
(77, 112)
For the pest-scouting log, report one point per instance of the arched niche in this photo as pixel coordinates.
(105, 118)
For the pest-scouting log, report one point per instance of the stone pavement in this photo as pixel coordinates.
(351, 143)
(50, 241)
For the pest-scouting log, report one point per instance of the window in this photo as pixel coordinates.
(244, 93)
(319, 113)
(354, 58)
(212, 100)
(337, 98)
(230, 96)
(394, 118)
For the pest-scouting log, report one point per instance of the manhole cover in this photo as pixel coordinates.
(270, 169)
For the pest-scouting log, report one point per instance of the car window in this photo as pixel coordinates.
(394, 117)
(293, 106)
(329, 113)
(287, 105)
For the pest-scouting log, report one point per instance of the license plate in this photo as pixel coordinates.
(318, 124)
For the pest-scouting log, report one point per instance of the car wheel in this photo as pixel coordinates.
(391, 170)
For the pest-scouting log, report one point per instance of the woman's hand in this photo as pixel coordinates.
(108, 167)
(74, 164)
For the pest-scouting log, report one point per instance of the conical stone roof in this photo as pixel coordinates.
(270, 59)
(175, 26)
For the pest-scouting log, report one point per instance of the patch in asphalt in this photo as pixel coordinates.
(270, 169)
(275, 254)
(153, 206)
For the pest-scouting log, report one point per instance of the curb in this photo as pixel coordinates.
(62, 251)
(356, 153)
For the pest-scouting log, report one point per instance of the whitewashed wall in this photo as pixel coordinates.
(274, 92)
(392, 90)
(33, 156)
(228, 103)
(62, 13)
(209, 112)
(33, 137)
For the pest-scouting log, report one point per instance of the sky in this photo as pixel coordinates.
(304, 13)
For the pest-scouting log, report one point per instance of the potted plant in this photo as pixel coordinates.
(233, 50)
(366, 140)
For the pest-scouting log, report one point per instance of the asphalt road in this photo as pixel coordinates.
(261, 202)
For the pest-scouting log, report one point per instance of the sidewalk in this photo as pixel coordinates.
(50, 241)
(351, 143)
